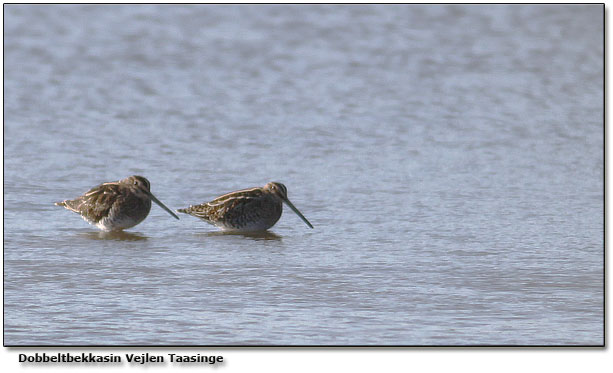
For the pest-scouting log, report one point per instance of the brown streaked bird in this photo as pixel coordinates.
(117, 205)
(247, 210)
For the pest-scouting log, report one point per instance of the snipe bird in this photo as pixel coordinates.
(117, 205)
(247, 210)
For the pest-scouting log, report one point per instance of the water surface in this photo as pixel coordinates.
(449, 157)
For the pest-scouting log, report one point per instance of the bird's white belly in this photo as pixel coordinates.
(253, 226)
(117, 223)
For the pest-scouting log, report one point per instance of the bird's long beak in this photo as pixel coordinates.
(291, 206)
(162, 205)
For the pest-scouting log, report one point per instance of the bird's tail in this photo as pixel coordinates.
(68, 204)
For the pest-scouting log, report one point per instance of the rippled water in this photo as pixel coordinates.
(449, 157)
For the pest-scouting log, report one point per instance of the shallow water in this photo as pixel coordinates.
(449, 157)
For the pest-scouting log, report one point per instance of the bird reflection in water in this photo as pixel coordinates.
(256, 236)
(114, 236)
